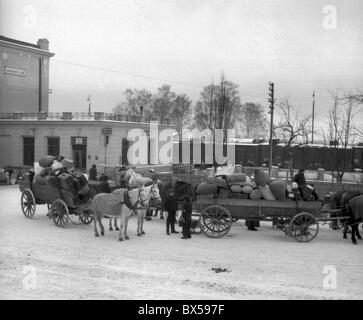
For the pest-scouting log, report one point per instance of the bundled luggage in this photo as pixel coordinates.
(54, 172)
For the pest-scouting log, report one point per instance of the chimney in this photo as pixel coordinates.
(43, 44)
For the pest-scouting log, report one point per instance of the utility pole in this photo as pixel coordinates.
(89, 105)
(271, 100)
(312, 126)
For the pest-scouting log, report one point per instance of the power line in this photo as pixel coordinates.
(125, 73)
(139, 75)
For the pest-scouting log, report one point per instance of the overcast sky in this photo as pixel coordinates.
(189, 43)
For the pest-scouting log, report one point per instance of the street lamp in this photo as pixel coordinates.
(89, 105)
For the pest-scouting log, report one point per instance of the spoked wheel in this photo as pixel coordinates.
(60, 213)
(215, 221)
(303, 227)
(28, 203)
(86, 215)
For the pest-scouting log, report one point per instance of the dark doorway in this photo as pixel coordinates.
(80, 157)
(79, 149)
(28, 151)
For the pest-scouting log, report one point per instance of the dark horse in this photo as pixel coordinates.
(351, 203)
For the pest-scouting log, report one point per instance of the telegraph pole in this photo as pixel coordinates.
(271, 100)
(312, 126)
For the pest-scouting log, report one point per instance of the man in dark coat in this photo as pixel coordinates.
(104, 186)
(171, 205)
(187, 217)
(93, 173)
(301, 182)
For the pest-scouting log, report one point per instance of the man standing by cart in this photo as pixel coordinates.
(187, 217)
(171, 205)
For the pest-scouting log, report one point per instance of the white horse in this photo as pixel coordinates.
(152, 193)
(113, 205)
(134, 179)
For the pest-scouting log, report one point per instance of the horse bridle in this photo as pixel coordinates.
(140, 201)
(153, 194)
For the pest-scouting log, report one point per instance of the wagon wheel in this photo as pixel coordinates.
(28, 203)
(86, 215)
(215, 221)
(303, 227)
(60, 213)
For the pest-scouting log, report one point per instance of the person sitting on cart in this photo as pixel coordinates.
(301, 182)
(171, 205)
(187, 217)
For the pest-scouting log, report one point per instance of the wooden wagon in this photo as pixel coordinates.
(298, 219)
(60, 208)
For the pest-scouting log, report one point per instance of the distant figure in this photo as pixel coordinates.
(123, 181)
(104, 186)
(171, 205)
(187, 217)
(93, 173)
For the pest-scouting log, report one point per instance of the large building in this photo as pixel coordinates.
(24, 75)
(28, 131)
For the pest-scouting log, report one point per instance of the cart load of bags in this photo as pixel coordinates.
(241, 186)
(56, 172)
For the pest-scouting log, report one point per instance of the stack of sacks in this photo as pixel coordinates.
(235, 182)
(266, 192)
(219, 182)
(206, 188)
(262, 178)
(236, 188)
(278, 189)
(236, 179)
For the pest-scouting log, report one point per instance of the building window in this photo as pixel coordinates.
(53, 146)
(28, 151)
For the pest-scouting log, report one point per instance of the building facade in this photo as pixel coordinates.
(87, 139)
(24, 75)
(29, 132)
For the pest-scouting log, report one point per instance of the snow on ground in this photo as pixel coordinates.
(71, 263)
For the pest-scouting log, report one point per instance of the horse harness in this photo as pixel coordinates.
(131, 206)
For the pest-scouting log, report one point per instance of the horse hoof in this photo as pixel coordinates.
(355, 242)
(142, 232)
(120, 239)
(110, 229)
(127, 238)
(102, 233)
(139, 234)
(117, 229)
(97, 235)
(344, 237)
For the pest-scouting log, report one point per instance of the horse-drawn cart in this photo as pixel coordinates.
(61, 207)
(298, 219)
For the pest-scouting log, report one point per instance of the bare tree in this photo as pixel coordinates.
(342, 131)
(291, 128)
(218, 106)
(252, 120)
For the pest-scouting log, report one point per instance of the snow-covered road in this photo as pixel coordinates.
(71, 263)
